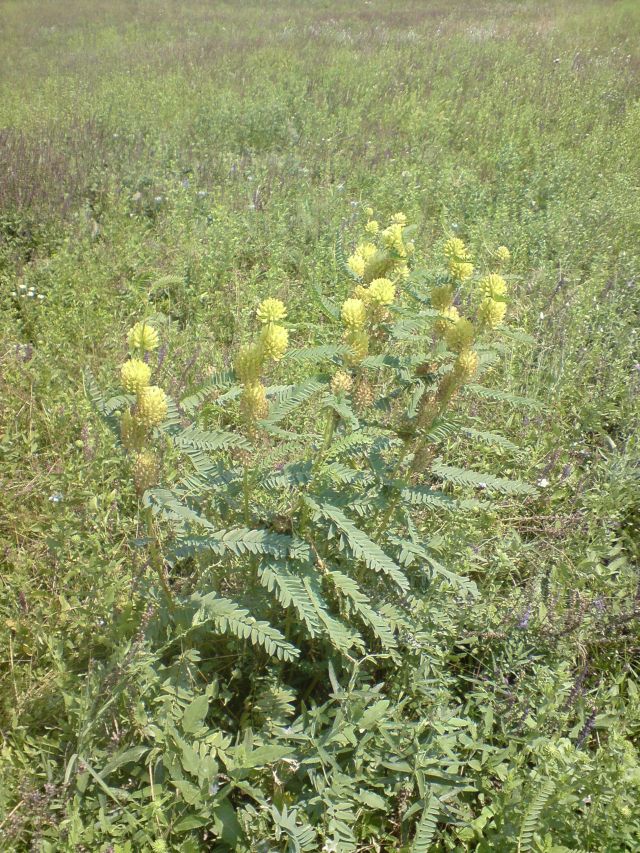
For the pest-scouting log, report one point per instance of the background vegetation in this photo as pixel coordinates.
(190, 159)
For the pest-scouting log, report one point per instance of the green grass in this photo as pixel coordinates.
(194, 158)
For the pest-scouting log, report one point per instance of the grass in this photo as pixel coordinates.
(197, 157)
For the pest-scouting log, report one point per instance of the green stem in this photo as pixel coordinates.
(246, 494)
(155, 558)
(393, 503)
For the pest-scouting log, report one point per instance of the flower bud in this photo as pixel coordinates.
(503, 255)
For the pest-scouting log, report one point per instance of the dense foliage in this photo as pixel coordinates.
(319, 525)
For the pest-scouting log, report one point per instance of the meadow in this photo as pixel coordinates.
(311, 619)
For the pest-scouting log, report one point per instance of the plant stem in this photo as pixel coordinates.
(155, 555)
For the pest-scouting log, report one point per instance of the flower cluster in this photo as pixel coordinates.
(459, 333)
(389, 257)
(250, 362)
(150, 407)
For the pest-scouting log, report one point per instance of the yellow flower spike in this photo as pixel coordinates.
(447, 318)
(403, 271)
(460, 335)
(152, 406)
(253, 403)
(455, 250)
(503, 255)
(491, 313)
(392, 238)
(382, 291)
(368, 211)
(358, 342)
(460, 270)
(372, 227)
(492, 285)
(274, 340)
(132, 433)
(341, 383)
(145, 471)
(271, 311)
(143, 337)
(399, 218)
(354, 313)
(249, 363)
(362, 293)
(356, 264)
(466, 365)
(135, 375)
(442, 297)
(367, 250)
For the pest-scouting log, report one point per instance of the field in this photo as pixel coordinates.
(180, 163)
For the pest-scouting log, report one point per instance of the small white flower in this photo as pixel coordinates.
(543, 483)
(542, 315)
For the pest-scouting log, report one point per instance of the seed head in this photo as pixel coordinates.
(271, 311)
(362, 395)
(152, 406)
(354, 313)
(274, 340)
(143, 337)
(135, 375)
